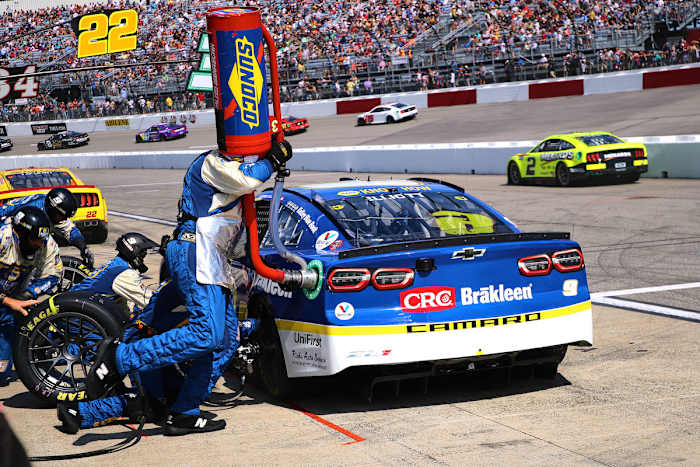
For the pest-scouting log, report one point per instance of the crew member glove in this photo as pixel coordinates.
(88, 257)
(279, 154)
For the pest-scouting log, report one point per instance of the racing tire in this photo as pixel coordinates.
(514, 177)
(98, 235)
(138, 140)
(390, 120)
(40, 147)
(562, 175)
(360, 123)
(630, 178)
(74, 271)
(55, 346)
(270, 368)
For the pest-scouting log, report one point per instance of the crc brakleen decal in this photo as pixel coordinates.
(427, 299)
(326, 239)
(303, 215)
(344, 311)
(495, 294)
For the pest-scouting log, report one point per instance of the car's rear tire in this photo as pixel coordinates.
(270, 365)
(514, 177)
(390, 119)
(54, 357)
(562, 174)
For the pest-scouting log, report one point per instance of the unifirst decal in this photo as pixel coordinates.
(246, 82)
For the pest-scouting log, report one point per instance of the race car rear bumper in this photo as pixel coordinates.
(318, 350)
(94, 230)
(632, 167)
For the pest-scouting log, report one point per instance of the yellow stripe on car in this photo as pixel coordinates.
(300, 326)
(641, 162)
(595, 166)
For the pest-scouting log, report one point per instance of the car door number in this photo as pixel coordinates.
(530, 166)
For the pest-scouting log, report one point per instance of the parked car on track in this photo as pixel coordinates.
(292, 125)
(64, 139)
(162, 132)
(568, 158)
(5, 144)
(91, 217)
(387, 113)
(417, 276)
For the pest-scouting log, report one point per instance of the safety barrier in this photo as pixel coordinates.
(669, 156)
(623, 81)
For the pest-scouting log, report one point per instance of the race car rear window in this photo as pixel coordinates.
(599, 140)
(407, 216)
(39, 179)
(400, 106)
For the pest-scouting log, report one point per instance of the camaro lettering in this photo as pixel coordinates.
(495, 294)
(474, 323)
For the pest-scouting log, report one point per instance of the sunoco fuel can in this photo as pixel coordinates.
(240, 82)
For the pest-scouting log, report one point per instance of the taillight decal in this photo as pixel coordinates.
(392, 278)
(348, 279)
(537, 265)
(568, 260)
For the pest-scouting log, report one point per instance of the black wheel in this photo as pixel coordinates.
(390, 119)
(630, 178)
(56, 344)
(563, 175)
(74, 271)
(97, 235)
(360, 122)
(138, 140)
(514, 174)
(270, 367)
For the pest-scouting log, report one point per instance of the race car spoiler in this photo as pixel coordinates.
(475, 239)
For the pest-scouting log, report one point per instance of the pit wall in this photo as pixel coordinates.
(669, 156)
(624, 81)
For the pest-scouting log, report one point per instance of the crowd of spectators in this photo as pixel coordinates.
(335, 48)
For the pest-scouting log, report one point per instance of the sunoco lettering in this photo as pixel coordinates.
(474, 323)
(247, 66)
(493, 294)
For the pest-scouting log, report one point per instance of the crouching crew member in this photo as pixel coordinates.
(30, 266)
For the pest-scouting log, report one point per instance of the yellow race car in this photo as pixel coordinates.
(91, 217)
(568, 158)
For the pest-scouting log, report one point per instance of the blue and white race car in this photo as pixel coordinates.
(417, 276)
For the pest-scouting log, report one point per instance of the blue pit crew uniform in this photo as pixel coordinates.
(117, 278)
(19, 275)
(66, 229)
(213, 187)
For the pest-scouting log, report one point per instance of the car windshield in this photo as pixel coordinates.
(39, 179)
(290, 118)
(406, 216)
(599, 140)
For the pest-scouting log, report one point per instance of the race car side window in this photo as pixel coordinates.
(378, 109)
(291, 229)
(551, 145)
(539, 147)
(565, 145)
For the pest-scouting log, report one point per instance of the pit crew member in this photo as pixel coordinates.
(30, 266)
(210, 215)
(60, 205)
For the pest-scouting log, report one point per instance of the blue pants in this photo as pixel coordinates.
(156, 382)
(207, 307)
(7, 338)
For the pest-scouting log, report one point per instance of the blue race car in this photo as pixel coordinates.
(161, 132)
(418, 276)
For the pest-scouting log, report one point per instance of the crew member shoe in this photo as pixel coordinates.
(103, 375)
(69, 416)
(147, 409)
(179, 424)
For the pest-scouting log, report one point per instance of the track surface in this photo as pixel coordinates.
(669, 111)
(631, 399)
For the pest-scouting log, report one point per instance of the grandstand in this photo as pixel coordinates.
(336, 48)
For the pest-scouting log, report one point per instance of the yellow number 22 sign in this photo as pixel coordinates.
(106, 32)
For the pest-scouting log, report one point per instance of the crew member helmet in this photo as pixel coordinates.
(133, 247)
(32, 227)
(60, 204)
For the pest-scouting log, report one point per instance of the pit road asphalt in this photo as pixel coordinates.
(631, 399)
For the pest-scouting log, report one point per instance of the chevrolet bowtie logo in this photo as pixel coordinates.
(468, 253)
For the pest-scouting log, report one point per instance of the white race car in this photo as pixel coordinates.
(387, 113)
